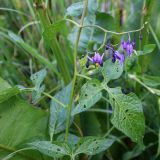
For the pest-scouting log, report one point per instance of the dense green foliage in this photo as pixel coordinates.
(59, 100)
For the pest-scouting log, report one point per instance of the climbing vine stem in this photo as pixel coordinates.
(105, 30)
(75, 68)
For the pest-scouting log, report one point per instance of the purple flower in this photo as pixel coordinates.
(118, 56)
(128, 46)
(115, 54)
(124, 44)
(97, 59)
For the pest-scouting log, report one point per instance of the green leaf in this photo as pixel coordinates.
(91, 34)
(92, 8)
(19, 122)
(92, 145)
(136, 151)
(55, 149)
(36, 94)
(37, 79)
(6, 91)
(72, 139)
(91, 124)
(52, 42)
(90, 94)
(57, 121)
(146, 49)
(75, 9)
(111, 70)
(116, 90)
(4, 85)
(152, 81)
(86, 33)
(15, 37)
(50, 32)
(128, 115)
(105, 20)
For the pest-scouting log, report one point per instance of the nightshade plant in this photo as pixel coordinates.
(93, 72)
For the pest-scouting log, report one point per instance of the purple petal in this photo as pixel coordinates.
(90, 59)
(129, 49)
(113, 58)
(124, 44)
(97, 58)
(120, 57)
(134, 44)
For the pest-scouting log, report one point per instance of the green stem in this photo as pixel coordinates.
(15, 151)
(27, 25)
(75, 70)
(51, 91)
(99, 110)
(9, 156)
(105, 30)
(109, 131)
(117, 33)
(154, 36)
(54, 99)
(72, 157)
(75, 23)
(83, 76)
(104, 98)
(47, 95)
(104, 42)
(131, 76)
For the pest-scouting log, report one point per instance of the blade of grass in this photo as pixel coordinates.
(27, 25)
(55, 47)
(13, 10)
(30, 50)
(154, 36)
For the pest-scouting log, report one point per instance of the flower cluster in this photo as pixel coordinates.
(127, 46)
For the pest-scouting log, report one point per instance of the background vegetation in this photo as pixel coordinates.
(35, 38)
